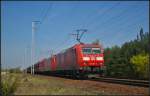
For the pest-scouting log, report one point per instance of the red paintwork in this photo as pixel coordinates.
(68, 61)
(53, 63)
(91, 62)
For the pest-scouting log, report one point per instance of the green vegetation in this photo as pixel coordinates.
(130, 60)
(9, 84)
(40, 85)
(140, 62)
(15, 70)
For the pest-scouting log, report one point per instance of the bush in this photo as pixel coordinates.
(9, 84)
(140, 63)
(15, 70)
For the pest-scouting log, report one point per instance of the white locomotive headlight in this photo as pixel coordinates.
(86, 58)
(99, 58)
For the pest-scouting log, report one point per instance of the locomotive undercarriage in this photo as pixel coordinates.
(91, 71)
(82, 73)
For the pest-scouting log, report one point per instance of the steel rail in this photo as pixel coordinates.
(141, 83)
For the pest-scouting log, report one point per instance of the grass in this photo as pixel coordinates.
(9, 84)
(26, 84)
(32, 85)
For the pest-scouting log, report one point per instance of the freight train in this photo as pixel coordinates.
(81, 60)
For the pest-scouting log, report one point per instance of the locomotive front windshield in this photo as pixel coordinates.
(91, 50)
(96, 50)
(87, 50)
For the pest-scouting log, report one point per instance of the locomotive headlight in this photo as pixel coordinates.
(99, 58)
(86, 58)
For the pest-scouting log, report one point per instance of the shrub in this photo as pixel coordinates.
(9, 84)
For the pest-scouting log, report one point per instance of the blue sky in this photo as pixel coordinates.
(112, 22)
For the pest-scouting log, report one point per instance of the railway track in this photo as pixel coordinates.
(141, 83)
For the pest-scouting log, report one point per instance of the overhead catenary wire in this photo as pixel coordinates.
(33, 23)
(109, 22)
(63, 42)
(133, 24)
(68, 37)
(129, 26)
(86, 25)
(46, 12)
(106, 11)
(118, 23)
(109, 9)
(90, 17)
(119, 16)
(44, 18)
(58, 47)
(101, 15)
(113, 19)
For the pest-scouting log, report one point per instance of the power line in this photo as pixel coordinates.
(90, 18)
(78, 37)
(62, 43)
(109, 9)
(44, 16)
(113, 19)
(53, 50)
(108, 27)
(46, 13)
(129, 26)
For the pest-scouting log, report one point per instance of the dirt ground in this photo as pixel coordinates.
(49, 85)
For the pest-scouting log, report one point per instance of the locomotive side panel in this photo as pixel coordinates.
(78, 57)
(53, 63)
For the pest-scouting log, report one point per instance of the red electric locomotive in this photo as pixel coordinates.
(81, 60)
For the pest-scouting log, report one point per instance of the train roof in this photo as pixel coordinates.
(88, 45)
(82, 45)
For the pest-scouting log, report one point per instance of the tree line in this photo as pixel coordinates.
(131, 60)
(12, 70)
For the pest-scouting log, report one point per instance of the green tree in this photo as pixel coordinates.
(118, 59)
(141, 34)
(15, 70)
(141, 64)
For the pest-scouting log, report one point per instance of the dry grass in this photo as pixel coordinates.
(48, 85)
(9, 83)
(32, 85)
